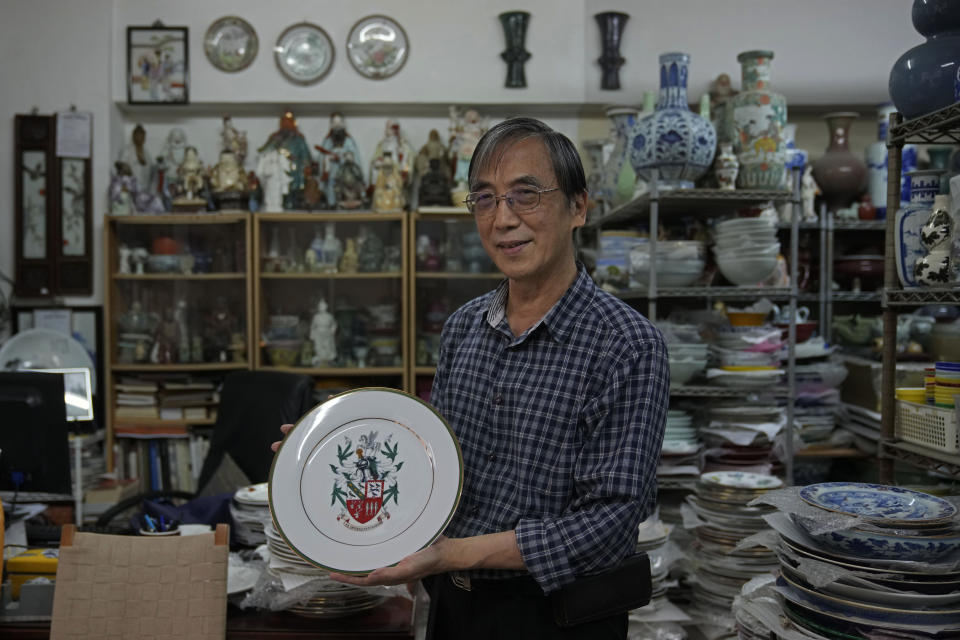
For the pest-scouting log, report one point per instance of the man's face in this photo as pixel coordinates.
(535, 245)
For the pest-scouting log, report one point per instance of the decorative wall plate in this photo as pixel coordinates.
(304, 53)
(377, 47)
(364, 480)
(879, 504)
(231, 44)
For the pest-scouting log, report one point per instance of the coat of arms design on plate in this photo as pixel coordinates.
(365, 480)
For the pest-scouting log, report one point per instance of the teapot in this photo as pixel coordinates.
(854, 329)
(782, 316)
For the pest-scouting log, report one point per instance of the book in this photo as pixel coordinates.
(136, 412)
(171, 413)
(195, 413)
(136, 399)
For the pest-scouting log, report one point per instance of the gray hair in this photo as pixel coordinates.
(563, 154)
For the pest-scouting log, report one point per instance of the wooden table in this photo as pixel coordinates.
(393, 620)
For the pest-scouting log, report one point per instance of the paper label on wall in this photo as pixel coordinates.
(74, 130)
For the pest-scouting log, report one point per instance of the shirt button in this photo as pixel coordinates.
(498, 399)
(491, 456)
(474, 510)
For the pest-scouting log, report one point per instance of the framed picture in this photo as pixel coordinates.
(158, 65)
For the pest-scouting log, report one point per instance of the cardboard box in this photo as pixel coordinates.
(864, 380)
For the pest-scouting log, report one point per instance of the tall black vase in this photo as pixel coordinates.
(611, 30)
(515, 29)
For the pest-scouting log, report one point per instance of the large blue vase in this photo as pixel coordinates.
(673, 139)
(927, 77)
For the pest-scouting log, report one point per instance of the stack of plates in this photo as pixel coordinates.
(876, 592)
(680, 455)
(720, 501)
(739, 436)
(330, 599)
(250, 509)
(652, 537)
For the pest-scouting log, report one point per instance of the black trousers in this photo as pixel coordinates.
(507, 609)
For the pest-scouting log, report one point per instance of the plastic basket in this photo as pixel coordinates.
(933, 427)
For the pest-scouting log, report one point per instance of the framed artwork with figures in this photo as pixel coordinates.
(158, 65)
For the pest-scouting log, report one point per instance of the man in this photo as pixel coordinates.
(557, 392)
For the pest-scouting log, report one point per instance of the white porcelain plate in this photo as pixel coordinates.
(255, 494)
(741, 480)
(364, 480)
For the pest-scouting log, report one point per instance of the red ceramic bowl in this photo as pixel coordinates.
(804, 330)
(165, 246)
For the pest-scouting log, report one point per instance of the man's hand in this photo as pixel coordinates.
(285, 428)
(421, 564)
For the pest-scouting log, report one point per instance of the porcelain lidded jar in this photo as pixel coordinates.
(673, 139)
(842, 176)
(726, 167)
(925, 78)
(924, 187)
(757, 117)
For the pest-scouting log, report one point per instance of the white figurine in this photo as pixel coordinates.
(809, 189)
(323, 330)
(175, 147)
(139, 257)
(274, 173)
(125, 253)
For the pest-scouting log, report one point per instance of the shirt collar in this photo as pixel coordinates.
(562, 317)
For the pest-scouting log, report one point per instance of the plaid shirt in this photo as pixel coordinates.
(560, 428)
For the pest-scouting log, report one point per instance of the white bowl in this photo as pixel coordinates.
(682, 371)
(746, 271)
(745, 224)
(749, 251)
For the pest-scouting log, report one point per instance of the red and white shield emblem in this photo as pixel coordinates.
(364, 510)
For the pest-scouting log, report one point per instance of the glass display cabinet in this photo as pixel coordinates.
(330, 298)
(450, 267)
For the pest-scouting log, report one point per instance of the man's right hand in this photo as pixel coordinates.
(285, 428)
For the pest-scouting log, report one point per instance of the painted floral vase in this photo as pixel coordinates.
(611, 25)
(756, 118)
(841, 175)
(924, 187)
(619, 178)
(726, 167)
(677, 142)
(927, 77)
(877, 158)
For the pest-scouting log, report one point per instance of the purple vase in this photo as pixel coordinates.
(841, 175)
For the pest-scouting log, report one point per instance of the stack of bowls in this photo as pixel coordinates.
(946, 384)
(720, 501)
(746, 357)
(896, 569)
(746, 249)
(679, 263)
(250, 508)
(687, 361)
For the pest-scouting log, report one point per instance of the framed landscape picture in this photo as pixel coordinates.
(158, 66)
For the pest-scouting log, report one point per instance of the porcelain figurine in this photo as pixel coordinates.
(756, 119)
(137, 156)
(234, 141)
(323, 331)
(220, 325)
(190, 178)
(123, 263)
(349, 186)
(273, 170)
(466, 128)
(314, 198)
(139, 258)
(332, 248)
(175, 147)
(876, 157)
(290, 143)
(393, 149)
(674, 140)
(924, 187)
(123, 187)
(254, 192)
(433, 148)
(726, 167)
(388, 189)
(166, 345)
(348, 263)
(435, 186)
(808, 193)
(228, 182)
(333, 155)
(369, 251)
(721, 92)
(795, 158)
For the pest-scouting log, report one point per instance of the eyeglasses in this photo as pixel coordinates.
(520, 200)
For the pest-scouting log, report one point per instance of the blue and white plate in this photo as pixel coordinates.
(873, 544)
(880, 504)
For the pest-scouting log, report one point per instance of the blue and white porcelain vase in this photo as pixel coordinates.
(877, 158)
(934, 269)
(924, 187)
(795, 158)
(927, 77)
(619, 178)
(756, 119)
(674, 140)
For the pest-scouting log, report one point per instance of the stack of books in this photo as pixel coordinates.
(189, 400)
(137, 398)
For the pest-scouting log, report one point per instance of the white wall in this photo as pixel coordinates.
(58, 52)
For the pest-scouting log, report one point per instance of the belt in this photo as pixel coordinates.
(521, 585)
